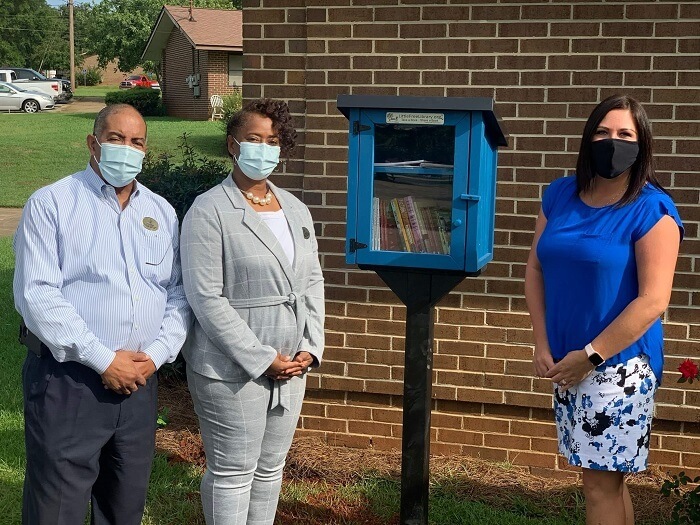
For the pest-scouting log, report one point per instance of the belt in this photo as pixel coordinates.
(271, 300)
(32, 342)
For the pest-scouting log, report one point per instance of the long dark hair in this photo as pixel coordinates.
(642, 171)
(277, 111)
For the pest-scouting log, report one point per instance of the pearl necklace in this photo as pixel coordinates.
(267, 199)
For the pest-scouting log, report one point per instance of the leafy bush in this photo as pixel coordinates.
(687, 510)
(232, 103)
(92, 77)
(180, 184)
(146, 100)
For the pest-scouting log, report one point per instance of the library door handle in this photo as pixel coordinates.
(457, 223)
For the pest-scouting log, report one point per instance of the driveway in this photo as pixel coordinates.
(80, 106)
(9, 218)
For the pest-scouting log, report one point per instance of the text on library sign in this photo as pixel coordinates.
(435, 119)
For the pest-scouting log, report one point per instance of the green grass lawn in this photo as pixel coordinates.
(376, 500)
(44, 147)
(94, 91)
(11, 433)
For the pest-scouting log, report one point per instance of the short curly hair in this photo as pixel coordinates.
(277, 111)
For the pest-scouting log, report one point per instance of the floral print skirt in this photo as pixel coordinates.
(604, 422)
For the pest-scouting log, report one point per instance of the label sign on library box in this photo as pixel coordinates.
(434, 119)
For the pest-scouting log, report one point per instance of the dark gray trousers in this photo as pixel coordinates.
(84, 443)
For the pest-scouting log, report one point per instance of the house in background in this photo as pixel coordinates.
(110, 73)
(201, 54)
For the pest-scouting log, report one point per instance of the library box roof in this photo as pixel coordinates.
(494, 126)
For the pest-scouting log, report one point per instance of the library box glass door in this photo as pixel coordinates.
(417, 162)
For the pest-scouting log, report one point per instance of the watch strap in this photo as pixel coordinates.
(594, 357)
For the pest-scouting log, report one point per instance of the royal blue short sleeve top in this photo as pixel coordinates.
(590, 270)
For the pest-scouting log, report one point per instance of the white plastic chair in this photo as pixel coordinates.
(217, 107)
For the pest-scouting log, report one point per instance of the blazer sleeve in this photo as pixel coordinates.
(203, 277)
(313, 340)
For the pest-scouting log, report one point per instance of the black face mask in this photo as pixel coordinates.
(611, 157)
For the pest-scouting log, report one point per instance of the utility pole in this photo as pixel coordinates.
(71, 37)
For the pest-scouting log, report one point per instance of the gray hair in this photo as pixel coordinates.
(112, 109)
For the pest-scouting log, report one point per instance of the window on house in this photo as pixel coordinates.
(235, 70)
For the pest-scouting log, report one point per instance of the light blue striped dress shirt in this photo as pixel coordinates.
(91, 278)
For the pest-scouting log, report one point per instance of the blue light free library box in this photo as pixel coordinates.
(421, 181)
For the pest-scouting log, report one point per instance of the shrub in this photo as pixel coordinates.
(146, 100)
(686, 511)
(92, 77)
(180, 184)
(232, 103)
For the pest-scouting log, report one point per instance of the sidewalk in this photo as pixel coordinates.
(9, 217)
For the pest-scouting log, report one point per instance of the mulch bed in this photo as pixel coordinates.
(313, 460)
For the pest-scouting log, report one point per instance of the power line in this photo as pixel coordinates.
(62, 31)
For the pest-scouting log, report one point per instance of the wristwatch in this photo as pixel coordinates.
(594, 357)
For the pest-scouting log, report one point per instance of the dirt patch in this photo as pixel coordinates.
(312, 460)
(180, 439)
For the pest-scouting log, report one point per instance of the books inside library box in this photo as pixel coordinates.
(411, 208)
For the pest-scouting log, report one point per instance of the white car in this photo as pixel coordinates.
(13, 97)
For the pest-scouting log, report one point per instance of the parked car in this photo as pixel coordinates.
(143, 81)
(14, 97)
(64, 94)
(51, 89)
(67, 89)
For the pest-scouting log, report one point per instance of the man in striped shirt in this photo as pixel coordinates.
(99, 286)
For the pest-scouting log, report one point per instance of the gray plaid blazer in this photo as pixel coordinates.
(248, 300)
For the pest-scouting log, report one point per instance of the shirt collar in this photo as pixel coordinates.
(102, 189)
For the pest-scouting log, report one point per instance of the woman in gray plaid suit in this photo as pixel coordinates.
(253, 278)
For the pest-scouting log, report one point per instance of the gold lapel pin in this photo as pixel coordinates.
(150, 223)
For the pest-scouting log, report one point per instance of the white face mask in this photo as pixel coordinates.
(257, 159)
(119, 164)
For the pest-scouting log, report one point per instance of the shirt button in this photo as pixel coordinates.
(136, 297)
(136, 327)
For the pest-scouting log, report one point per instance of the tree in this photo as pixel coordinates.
(119, 29)
(27, 26)
(36, 35)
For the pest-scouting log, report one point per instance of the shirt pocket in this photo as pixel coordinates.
(593, 247)
(157, 256)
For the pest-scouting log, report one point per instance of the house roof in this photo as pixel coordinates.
(207, 29)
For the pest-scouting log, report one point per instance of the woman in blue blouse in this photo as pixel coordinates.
(598, 278)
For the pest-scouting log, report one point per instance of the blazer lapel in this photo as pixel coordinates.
(258, 227)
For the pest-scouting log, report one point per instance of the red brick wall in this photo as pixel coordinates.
(178, 62)
(547, 65)
(217, 74)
